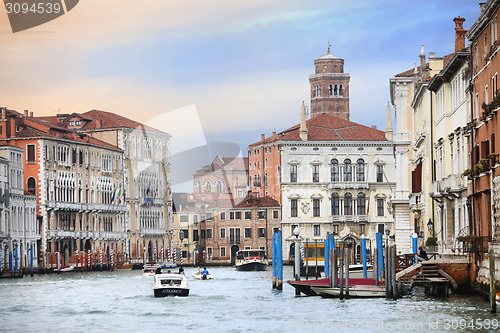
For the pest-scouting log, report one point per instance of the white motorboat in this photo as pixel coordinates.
(199, 276)
(251, 260)
(170, 285)
(149, 270)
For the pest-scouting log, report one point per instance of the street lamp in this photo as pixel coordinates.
(296, 232)
(430, 227)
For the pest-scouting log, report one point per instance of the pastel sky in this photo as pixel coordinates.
(240, 67)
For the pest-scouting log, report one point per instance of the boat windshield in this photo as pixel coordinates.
(170, 282)
(251, 254)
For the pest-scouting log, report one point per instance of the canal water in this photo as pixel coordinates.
(123, 301)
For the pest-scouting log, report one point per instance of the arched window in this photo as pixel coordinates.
(340, 90)
(199, 187)
(219, 186)
(32, 185)
(348, 204)
(335, 204)
(335, 90)
(334, 170)
(319, 90)
(330, 89)
(360, 171)
(361, 203)
(208, 186)
(347, 170)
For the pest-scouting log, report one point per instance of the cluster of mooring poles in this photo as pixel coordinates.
(277, 261)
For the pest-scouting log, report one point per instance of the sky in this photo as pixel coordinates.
(218, 71)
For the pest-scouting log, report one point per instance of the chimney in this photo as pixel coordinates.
(26, 113)
(274, 136)
(262, 137)
(303, 127)
(98, 123)
(423, 66)
(459, 33)
(432, 55)
(31, 114)
(13, 127)
(374, 126)
(388, 124)
(3, 113)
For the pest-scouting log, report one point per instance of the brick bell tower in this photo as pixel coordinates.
(330, 87)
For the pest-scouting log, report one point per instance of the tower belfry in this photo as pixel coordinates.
(330, 87)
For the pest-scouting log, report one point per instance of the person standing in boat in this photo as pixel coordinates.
(204, 273)
(158, 270)
(181, 270)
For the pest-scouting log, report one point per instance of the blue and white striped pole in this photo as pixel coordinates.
(280, 261)
(31, 257)
(363, 253)
(16, 258)
(11, 259)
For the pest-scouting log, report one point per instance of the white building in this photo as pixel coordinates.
(18, 227)
(337, 177)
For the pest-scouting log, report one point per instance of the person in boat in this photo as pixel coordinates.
(158, 270)
(181, 270)
(422, 255)
(204, 273)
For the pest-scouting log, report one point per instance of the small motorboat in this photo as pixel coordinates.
(199, 276)
(167, 264)
(251, 260)
(355, 291)
(170, 285)
(64, 269)
(149, 270)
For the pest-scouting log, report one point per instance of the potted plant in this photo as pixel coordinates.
(467, 173)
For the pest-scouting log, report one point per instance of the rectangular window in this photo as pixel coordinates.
(335, 229)
(362, 229)
(248, 233)
(316, 212)
(275, 214)
(223, 251)
(262, 232)
(222, 232)
(196, 238)
(293, 208)
(203, 234)
(380, 207)
(234, 235)
(293, 173)
(30, 154)
(209, 234)
(183, 234)
(262, 214)
(223, 215)
(380, 228)
(380, 173)
(317, 230)
(237, 215)
(209, 216)
(231, 215)
(248, 215)
(184, 218)
(315, 174)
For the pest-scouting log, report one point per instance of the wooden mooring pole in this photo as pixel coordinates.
(341, 278)
(347, 255)
(493, 293)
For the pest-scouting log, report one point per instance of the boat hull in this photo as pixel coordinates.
(200, 276)
(305, 286)
(165, 292)
(252, 266)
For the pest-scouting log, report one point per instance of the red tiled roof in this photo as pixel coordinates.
(325, 127)
(409, 73)
(32, 127)
(113, 120)
(258, 202)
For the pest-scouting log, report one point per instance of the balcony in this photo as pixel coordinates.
(152, 201)
(338, 185)
(416, 203)
(349, 218)
(452, 184)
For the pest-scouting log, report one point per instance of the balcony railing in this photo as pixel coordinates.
(85, 207)
(349, 218)
(340, 185)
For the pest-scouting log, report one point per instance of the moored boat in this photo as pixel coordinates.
(356, 291)
(251, 260)
(64, 269)
(170, 285)
(306, 286)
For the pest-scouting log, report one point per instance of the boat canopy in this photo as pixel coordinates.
(251, 253)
